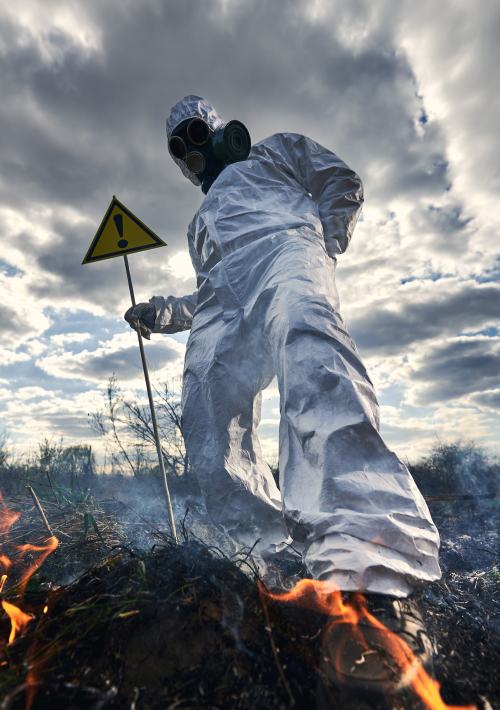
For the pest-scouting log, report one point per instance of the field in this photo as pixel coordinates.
(118, 616)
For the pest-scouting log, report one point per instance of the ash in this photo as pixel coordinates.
(462, 610)
(135, 621)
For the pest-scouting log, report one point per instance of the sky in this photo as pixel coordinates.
(406, 93)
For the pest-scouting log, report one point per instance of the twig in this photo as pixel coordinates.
(185, 534)
(269, 630)
(464, 496)
(49, 478)
(38, 506)
(249, 553)
(88, 522)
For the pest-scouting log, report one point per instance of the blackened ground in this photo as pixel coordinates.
(462, 610)
(184, 627)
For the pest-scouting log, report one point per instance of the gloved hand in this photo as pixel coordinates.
(142, 318)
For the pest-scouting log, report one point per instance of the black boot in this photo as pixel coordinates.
(366, 658)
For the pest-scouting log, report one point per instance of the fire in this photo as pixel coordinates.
(7, 517)
(325, 598)
(18, 620)
(21, 570)
(5, 561)
(44, 550)
(15, 563)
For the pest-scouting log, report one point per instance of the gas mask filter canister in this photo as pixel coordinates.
(206, 153)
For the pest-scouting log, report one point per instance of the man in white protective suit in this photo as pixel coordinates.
(264, 244)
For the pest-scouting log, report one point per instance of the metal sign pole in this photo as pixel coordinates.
(168, 499)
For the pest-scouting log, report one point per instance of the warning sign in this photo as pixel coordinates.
(121, 232)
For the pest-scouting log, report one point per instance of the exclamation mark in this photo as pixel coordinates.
(118, 220)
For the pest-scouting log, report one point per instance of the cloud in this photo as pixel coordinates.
(119, 355)
(10, 322)
(458, 367)
(82, 118)
(490, 399)
(10, 357)
(20, 317)
(29, 393)
(50, 414)
(462, 93)
(423, 311)
(62, 339)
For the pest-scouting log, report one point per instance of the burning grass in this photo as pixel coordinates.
(185, 626)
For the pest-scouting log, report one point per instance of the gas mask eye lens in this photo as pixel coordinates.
(198, 131)
(177, 147)
(195, 162)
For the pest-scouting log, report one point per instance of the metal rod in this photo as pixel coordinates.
(38, 506)
(166, 491)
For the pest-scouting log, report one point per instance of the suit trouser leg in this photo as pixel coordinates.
(221, 411)
(347, 497)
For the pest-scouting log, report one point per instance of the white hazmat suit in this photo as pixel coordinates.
(264, 245)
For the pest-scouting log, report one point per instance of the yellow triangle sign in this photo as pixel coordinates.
(121, 232)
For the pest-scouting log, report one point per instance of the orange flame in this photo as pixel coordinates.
(325, 598)
(7, 518)
(18, 620)
(45, 550)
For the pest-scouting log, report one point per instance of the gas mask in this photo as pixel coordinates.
(206, 152)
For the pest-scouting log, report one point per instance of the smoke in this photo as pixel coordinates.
(139, 506)
(458, 469)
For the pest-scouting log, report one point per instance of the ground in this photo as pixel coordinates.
(139, 622)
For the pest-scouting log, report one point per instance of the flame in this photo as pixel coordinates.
(5, 561)
(22, 570)
(7, 517)
(45, 550)
(324, 598)
(18, 620)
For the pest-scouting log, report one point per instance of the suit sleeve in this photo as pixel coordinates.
(333, 185)
(175, 313)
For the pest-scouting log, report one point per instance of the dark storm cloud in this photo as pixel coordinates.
(438, 219)
(95, 122)
(489, 400)
(446, 227)
(73, 424)
(390, 331)
(82, 123)
(63, 279)
(10, 322)
(61, 258)
(82, 117)
(100, 364)
(457, 368)
(89, 124)
(27, 373)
